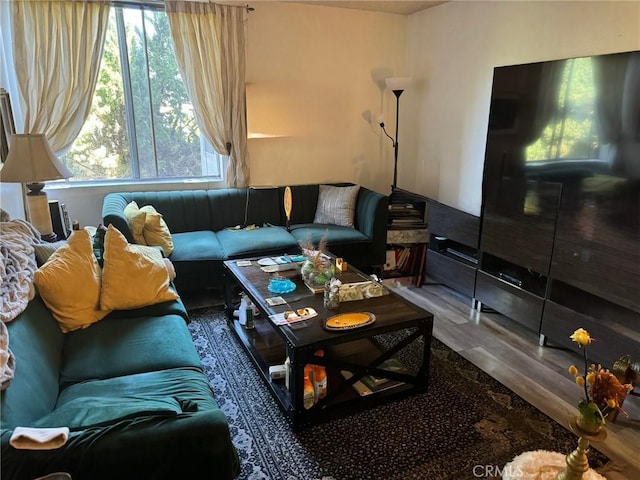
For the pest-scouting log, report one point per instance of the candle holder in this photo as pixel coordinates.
(577, 462)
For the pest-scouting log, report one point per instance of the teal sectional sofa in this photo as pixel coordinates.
(201, 223)
(131, 390)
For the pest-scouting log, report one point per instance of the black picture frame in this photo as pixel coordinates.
(7, 125)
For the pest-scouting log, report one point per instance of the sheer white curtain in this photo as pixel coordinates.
(11, 195)
(57, 49)
(209, 43)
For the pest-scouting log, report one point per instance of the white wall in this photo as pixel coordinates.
(453, 48)
(314, 77)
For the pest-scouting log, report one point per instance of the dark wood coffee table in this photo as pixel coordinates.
(358, 351)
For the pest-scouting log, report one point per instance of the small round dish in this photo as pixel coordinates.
(281, 285)
(349, 321)
(265, 262)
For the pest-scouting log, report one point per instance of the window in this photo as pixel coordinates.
(142, 125)
(571, 133)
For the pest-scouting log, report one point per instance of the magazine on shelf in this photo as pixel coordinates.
(392, 365)
(370, 384)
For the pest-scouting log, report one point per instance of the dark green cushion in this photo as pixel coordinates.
(152, 394)
(123, 346)
(304, 200)
(240, 243)
(36, 341)
(196, 246)
(264, 206)
(155, 445)
(227, 208)
(87, 412)
(172, 307)
(334, 234)
(197, 258)
(371, 218)
(182, 210)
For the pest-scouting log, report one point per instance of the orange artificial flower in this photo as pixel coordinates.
(603, 392)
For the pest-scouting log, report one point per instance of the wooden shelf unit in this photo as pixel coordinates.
(407, 237)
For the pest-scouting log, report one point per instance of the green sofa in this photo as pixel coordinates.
(201, 224)
(130, 388)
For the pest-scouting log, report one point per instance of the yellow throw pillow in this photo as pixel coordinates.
(69, 283)
(136, 219)
(156, 232)
(133, 276)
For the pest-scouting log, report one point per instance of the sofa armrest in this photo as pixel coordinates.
(113, 213)
(372, 210)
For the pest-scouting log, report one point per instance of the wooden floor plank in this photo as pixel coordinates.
(511, 354)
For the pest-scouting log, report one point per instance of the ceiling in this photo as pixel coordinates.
(397, 7)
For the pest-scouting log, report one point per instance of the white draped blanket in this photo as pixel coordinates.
(17, 268)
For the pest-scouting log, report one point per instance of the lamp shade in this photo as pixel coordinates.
(398, 83)
(31, 160)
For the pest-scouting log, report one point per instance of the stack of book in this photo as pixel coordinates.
(407, 260)
(406, 216)
(370, 384)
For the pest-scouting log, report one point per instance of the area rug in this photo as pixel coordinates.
(466, 426)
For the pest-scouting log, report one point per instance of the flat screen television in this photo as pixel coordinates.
(563, 148)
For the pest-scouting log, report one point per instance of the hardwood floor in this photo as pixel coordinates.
(511, 354)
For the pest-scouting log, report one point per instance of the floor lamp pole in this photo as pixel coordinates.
(397, 93)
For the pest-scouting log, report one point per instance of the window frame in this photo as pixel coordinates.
(206, 181)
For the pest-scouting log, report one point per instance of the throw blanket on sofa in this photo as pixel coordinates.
(7, 360)
(17, 268)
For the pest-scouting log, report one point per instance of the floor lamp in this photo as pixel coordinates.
(31, 161)
(397, 85)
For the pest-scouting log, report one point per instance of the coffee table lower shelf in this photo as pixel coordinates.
(265, 348)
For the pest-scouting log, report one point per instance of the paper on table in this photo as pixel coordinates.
(291, 316)
(280, 267)
(273, 301)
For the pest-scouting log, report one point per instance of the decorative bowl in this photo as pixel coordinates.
(317, 274)
(281, 285)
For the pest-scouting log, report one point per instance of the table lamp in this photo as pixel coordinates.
(31, 161)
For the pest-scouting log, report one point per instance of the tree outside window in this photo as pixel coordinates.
(142, 125)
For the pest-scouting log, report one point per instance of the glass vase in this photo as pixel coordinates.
(331, 296)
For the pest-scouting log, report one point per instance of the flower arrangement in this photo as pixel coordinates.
(603, 392)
